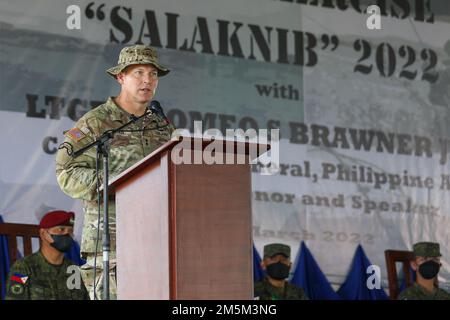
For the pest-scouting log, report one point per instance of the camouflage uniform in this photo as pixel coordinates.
(416, 291)
(264, 290)
(76, 177)
(33, 278)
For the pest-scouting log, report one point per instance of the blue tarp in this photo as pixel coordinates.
(310, 278)
(258, 272)
(4, 263)
(74, 254)
(355, 285)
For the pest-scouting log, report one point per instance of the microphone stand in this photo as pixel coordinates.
(102, 144)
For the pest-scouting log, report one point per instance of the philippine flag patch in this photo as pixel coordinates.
(19, 278)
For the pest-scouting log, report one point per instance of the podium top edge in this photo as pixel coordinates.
(260, 148)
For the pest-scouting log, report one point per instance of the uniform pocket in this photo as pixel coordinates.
(40, 292)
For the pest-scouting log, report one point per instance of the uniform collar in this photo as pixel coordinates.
(117, 113)
(43, 260)
(266, 279)
(280, 292)
(425, 291)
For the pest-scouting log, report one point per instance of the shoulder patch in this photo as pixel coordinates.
(76, 134)
(19, 278)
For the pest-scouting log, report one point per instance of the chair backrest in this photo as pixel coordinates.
(392, 257)
(14, 230)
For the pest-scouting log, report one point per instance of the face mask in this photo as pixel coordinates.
(428, 270)
(62, 243)
(278, 271)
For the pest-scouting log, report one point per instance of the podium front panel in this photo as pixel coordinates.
(143, 233)
(213, 232)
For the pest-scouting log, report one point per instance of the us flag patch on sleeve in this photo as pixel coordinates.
(76, 134)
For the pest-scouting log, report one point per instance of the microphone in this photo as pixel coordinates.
(156, 108)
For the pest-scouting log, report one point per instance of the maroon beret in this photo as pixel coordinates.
(57, 218)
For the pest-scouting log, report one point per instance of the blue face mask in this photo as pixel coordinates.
(62, 243)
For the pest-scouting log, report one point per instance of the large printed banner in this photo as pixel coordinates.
(363, 113)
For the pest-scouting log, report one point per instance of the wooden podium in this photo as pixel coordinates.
(184, 231)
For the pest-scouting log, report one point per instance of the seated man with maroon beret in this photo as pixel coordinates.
(47, 274)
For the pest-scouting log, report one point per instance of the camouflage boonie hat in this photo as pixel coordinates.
(276, 248)
(138, 54)
(426, 249)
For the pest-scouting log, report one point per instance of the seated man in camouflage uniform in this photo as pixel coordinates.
(47, 274)
(137, 72)
(277, 264)
(426, 263)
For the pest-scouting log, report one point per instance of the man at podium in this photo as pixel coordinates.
(138, 72)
